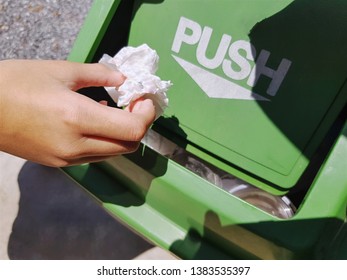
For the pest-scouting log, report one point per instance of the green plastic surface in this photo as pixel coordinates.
(268, 143)
(185, 214)
(269, 127)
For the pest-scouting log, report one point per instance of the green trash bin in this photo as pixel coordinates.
(248, 161)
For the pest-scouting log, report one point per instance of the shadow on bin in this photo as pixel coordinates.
(306, 101)
(243, 240)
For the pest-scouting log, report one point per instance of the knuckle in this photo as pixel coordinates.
(59, 162)
(70, 115)
(65, 154)
(139, 130)
(132, 147)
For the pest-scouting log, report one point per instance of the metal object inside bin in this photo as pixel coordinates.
(279, 206)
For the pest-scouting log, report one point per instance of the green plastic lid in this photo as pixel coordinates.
(256, 83)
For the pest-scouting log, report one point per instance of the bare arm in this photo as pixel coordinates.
(43, 119)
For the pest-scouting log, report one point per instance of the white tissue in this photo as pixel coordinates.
(138, 65)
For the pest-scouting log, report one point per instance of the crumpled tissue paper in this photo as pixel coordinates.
(138, 65)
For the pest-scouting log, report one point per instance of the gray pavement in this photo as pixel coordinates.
(40, 29)
(45, 215)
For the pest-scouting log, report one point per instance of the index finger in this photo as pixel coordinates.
(81, 75)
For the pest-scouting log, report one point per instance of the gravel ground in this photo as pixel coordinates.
(40, 29)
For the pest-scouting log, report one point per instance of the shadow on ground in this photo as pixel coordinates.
(58, 220)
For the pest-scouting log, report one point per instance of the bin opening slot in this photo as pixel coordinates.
(279, 206)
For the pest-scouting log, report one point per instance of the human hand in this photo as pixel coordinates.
(43, 119)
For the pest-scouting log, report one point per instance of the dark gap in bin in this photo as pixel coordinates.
(298, 192)
(116, 37)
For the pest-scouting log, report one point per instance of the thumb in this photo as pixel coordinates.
(143, 107)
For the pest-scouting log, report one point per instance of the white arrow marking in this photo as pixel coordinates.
(215, 86)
